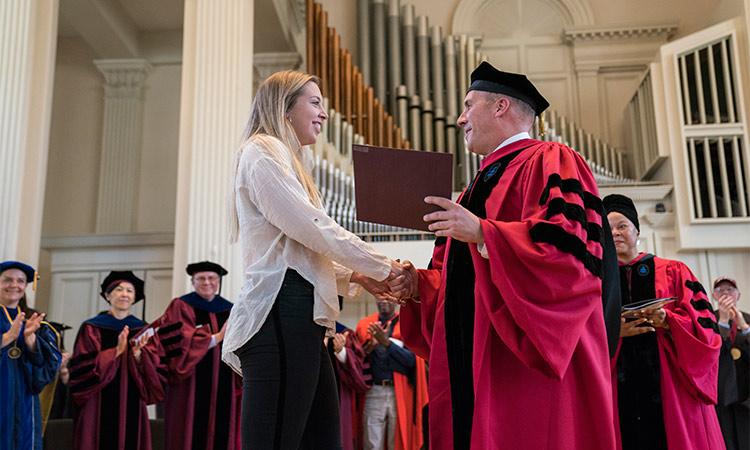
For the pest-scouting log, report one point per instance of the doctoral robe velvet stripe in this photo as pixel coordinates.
(540, 359)
(679, 366)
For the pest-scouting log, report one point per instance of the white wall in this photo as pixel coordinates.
(75, 142)
(158, 175)
(75, 145)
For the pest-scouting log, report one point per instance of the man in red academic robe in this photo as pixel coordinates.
(202, 407)
(392, 368)
(511, 311)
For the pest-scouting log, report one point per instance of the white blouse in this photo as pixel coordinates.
(279, 228)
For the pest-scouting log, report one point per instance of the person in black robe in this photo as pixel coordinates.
(733, 406)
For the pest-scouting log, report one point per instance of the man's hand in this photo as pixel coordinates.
(122, 341)
(339, 340)
(29, 331)
(11, 335)
(379, 289)
(726, 308)
(220, 335)
(632, 327)
(377, 331)
(405, 285)
(456, 221)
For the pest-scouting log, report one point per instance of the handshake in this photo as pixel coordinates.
(401, 285)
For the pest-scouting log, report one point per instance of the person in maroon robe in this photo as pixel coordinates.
(202, 407)
(666, 369)
(511, 311)
(348, 359)
(115, 372)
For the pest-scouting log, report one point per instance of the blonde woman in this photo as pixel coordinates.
(297, 260)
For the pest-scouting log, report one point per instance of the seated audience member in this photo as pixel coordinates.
(115, 373)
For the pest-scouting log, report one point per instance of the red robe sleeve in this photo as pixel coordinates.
(541, 282)
(692, 344)
(351, 372)
(91, 368)
(184, 344)
(149, 373)
(418, 319)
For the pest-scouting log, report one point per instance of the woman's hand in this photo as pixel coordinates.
(632, 328)
(122, 341)
(29, 331)
(11, 335)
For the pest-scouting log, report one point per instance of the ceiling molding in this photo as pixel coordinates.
(104, 25)
(591, 34)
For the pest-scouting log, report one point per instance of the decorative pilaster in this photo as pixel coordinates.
(121, 143)
(266, 64)
(217, 72)
(28, 33)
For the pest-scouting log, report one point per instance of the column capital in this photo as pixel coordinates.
(123, 77)
(267, 63)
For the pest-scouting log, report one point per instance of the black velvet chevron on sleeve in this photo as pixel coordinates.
(568, 243)
(708, 323)
(555, 235)
(695, 286)
(701, 305)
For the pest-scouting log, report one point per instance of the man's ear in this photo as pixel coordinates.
(501, 106)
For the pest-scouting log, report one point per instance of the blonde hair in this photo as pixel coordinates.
(268, 116)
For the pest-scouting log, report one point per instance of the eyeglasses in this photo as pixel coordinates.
(204, 279)
(725, 289)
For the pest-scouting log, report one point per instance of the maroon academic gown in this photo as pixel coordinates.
(202, 407)
(532, 344)
(111, 392)
(687, 354)
(352, 385)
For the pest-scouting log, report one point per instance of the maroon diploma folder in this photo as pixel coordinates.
(391, 184)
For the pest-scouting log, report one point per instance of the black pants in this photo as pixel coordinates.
(289, 398)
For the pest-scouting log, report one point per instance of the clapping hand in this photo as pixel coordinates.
(11, 335)
(377, 331)
(29, 331)
(339, 340)
(726, 308)
(122, 341)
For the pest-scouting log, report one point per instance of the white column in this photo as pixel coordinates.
(122, 126)
(217, 68)
(28, 40)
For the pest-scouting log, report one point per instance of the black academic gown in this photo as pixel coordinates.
(733, 406)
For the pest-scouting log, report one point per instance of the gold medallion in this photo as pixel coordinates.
(14, 352)
(736, 353)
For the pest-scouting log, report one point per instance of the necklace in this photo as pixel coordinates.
(14, 352)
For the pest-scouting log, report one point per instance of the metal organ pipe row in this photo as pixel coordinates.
(404, 92)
